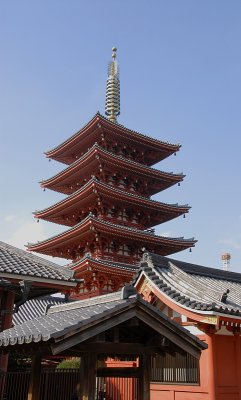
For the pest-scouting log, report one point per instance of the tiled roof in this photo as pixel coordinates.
(105, 263)
(35, 308)
(132, 196)
(128, 163)
(65, 318)
(193, 286)
(137, 134)
(18, 262)
(91, 218)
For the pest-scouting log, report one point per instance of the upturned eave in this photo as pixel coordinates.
(105, 266)
(89, 164)
(192, 290)
(90, 226)
(62, 212)
(64, 151)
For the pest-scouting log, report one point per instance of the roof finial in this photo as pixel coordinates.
(114, 50)
(112, 103)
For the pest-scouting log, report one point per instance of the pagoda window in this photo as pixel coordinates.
(111, 247)
(124, 250)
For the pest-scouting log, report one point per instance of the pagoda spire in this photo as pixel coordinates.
(112, 102)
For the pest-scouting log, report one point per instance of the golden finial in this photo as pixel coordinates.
(112, 103)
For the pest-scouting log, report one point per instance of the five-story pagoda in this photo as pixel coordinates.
(108, 182)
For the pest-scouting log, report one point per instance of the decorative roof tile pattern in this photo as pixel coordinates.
(62, 319)
(19, 262)
(193, 286)
(35, 308)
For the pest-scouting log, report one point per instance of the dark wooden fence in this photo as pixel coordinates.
(59, 384)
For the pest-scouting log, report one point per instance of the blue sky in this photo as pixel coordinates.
(180, 64)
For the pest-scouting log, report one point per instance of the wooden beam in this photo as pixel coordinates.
(91, 331)
(34, 384)
(115, 349)
(179, 338)
(120, 372)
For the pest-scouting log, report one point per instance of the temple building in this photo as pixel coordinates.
(207, 302)
(108, 182)
(23, 277)
(172, 333)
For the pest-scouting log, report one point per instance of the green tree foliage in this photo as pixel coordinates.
(69, 363)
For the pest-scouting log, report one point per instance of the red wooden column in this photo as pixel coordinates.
(211, 365)
(238, 358)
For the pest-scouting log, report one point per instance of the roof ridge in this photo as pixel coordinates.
(189, 289)
(192, 268)
(138, 133)
(107, 298)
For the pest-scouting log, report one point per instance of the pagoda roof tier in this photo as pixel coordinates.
(101, 276)
(68, 243)
(106, 266)
(100, 129)
(74, 207)
(98, 161)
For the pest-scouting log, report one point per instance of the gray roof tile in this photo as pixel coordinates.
(35, 308)
(194, 286)
(20, 262)
(63, 318)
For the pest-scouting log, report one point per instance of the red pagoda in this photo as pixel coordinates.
(110, 216)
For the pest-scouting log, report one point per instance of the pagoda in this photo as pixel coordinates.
(108, 182)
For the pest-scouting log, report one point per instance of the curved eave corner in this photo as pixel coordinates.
(55, 151)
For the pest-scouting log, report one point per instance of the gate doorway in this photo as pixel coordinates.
(116, 388)
(99, 329)
(118, 379)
